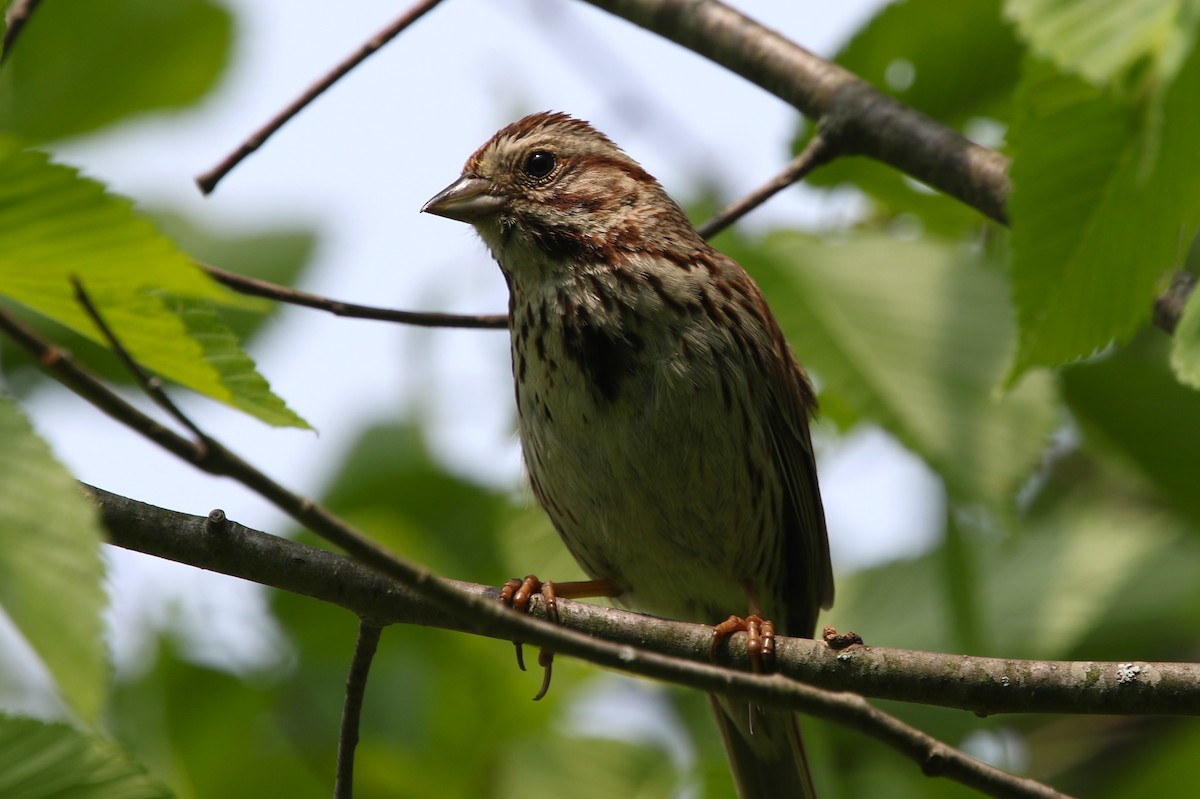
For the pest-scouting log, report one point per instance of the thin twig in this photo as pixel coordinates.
(272, 291)
(208, 181)
(18, 16)
(775, 689)
(818, 151)
(356, 688)
(148, 382)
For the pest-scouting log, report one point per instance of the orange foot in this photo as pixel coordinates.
(517, 595)
(760, 638)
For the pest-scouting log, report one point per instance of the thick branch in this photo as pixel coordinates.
(979, 685)
(852, 115)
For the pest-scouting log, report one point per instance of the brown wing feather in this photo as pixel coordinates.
(807, 570)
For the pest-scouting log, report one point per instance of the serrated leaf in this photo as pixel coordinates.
(1099, 39)
(80, 66)
(248, 390)
(50, 566)
(54, 761)
(1185, 350)
(913, 335)
(55, 225)
(1104, 203)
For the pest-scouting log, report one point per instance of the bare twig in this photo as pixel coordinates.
(17, 17)
(148, 382)
(356, 687)
(817, 152)
(208, 181)
(272, 291)
(979, 685)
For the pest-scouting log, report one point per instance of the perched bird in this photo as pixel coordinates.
(662, 415)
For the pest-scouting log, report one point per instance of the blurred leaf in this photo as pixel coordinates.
(1099, 39)
(392, 488)
(55, 225)
(50, 567)
(81, 66)
(958, 63)
(1065, 582)
(54, 761)
(1130, 404)
(1099, 218)
(913, 335)
(1161, 769)
(1185, 350)
(213, 734)
(586, 768)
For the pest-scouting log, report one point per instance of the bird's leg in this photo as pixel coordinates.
(760, 641)
(517, 593)
(760, 633)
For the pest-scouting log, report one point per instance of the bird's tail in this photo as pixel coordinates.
(765, 751)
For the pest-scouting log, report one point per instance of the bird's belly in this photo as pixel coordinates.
(656, 491)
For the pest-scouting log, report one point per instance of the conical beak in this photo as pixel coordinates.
(467, 199)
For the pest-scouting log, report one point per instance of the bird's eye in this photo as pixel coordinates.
(539, 164)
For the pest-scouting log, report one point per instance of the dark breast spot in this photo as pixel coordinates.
(606, 357)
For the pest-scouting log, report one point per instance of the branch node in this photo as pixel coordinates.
(217, 523)
(934, 764)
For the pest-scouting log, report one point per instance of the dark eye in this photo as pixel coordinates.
(539, 163)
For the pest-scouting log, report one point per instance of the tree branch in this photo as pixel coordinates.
(818, 151)
(983, 686)
(855, 117)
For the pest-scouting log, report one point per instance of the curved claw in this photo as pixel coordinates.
(517, 595)
(546, 661)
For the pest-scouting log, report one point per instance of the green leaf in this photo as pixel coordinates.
(50, 567)
(54, 761)
(1099, 39)
(1074, 570)
(55, 225)
(957, 62)
(913, 335)
(1104, 203)
(1131, 405)
(1185, 352)
(80, 66)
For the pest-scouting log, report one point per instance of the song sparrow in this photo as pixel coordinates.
(663, 418)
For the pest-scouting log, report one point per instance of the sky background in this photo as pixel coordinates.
(356, 166)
